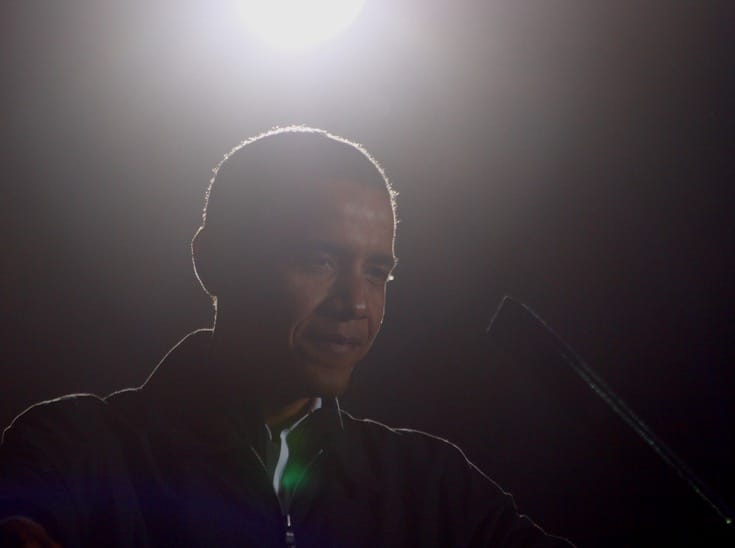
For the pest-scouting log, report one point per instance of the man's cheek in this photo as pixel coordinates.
(305, 296)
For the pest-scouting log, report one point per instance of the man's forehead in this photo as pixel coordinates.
(341, 209)
(345, 198)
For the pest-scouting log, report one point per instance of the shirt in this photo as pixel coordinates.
(277, 453)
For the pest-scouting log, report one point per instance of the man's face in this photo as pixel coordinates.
(322, 294)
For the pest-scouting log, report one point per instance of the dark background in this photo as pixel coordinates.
(577, 155)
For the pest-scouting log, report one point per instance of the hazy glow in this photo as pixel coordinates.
(298, 24)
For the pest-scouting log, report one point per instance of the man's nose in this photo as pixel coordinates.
(349, 297)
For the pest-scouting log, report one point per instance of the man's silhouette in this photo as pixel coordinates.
(237, 439)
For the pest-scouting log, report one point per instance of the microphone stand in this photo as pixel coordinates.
(509, 307)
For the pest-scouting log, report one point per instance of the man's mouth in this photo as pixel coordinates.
(335, 342)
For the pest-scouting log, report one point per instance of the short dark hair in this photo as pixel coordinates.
(265, 165)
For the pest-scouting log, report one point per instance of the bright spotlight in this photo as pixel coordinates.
(298, 24)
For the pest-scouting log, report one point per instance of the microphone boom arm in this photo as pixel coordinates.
(620, 408)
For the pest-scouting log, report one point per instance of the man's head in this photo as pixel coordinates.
(297, 246)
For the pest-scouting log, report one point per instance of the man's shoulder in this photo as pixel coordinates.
(73, 416)
(87, 413)
(433, 472)
(67, 408)
(82, 416)
(373, 429)
(409, 446)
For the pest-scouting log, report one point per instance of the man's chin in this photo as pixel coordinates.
(325, 381)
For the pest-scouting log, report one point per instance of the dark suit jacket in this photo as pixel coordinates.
(173, 464)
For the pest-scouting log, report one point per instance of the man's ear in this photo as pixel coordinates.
(201, 261)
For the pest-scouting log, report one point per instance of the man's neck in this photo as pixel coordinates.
(278, 417)
(279, 408)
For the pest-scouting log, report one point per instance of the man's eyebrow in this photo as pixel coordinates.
(320, 245)
(383, 259)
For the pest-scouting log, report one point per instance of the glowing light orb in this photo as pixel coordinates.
(299, 24)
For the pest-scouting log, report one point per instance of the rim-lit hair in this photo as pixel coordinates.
(316, 152)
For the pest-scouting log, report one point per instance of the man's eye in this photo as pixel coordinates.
(379, 275)
(319, 262)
